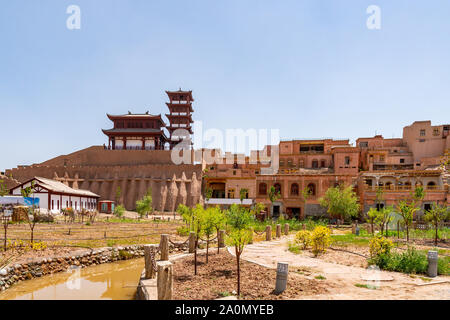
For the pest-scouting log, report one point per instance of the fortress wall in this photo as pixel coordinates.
(135, 171)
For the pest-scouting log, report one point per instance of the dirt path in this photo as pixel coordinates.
(341, 279)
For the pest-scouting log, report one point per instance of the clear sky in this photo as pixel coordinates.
(307, 67)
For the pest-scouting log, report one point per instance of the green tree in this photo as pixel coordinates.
(239, 219)
(384, 217)
(219, 222)
(435, 216)
(208, 221)
(196, 227)
(274, 195)
(3, 189)
(118, 194)
(406, 211)
(119, 211)
(243, 194)
(28, 192)
(145, 205)
(186, 214)
(306, 194)
(341, 202)
(371, 217)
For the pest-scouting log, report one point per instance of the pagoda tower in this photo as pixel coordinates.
(180, 107)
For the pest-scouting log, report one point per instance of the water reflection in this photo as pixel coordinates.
(111, 281)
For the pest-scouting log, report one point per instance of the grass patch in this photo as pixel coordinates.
(366, 286)
(320, 277)
(346, 239)
(294, 248)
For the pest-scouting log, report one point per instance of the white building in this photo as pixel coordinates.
(54, 195)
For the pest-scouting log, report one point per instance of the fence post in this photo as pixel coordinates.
(286, 229)
(221, 239)
(282, 276)
(304, 226)
(268, 233)
(191, 242)
(149, 262)
(164, 247)
(432, 263)
(164, 280)
(278, 230)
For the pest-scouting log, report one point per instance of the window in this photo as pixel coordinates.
(422, 132)
(364, 144)
(281, 163)
(402, 160)
(436, 132)
(315, 164)
(53, 205)
(312, 189)
(301, 163)
(277, 188)
(256, 171)
(57, 203)
(262, 190)
(322, 163)
(294, 189)
(347, 160)
(230, 193)
(421, 140)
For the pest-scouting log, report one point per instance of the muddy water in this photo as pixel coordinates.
(110, 281)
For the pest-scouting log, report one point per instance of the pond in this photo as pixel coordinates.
(110, 281)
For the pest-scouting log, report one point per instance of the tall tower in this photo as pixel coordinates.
(180, 107)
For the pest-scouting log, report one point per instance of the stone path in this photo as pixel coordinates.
(342, 279)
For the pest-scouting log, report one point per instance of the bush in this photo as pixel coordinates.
(411, 261)
(303, 238)
(379, 246)
(320, 239)
(183, 231)
(119, 211)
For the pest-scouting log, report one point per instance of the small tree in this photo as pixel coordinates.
(118, 194)
(208, 194)
(340, 202)
(239, 219)
(144, 206)
(406, 211)
(435, 216)
(384, 217)
(306, 194)
(119, 211)
(219, 221)
(196, 225)
(27, 193)
(243, 193)
(208, 226)
(186, 214)
(274, 195)
(3, 189)
(371, 216)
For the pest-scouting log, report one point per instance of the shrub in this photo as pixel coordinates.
(410, 261)
(119, 211)
(183, 231)
(320, 239)
(380, 246)
(303, 238)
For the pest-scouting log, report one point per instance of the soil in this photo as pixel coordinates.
(218, 278)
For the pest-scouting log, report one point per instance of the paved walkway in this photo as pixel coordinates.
(342, 279)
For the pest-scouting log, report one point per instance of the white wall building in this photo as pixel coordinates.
(54, 195)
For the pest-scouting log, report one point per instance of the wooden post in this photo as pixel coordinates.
(164, 247)
(304, 226)
(286, 229)
(164, 280)
(191, 242)
(278, 230)
(221, 239)
(268, 233)
(149, 262)
(398, 229)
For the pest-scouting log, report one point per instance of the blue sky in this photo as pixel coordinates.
(309, 68)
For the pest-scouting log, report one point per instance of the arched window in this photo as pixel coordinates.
(277, 188)
(262, 189)
(294, 189)
(312, 189)
(431, 185)
(322, 163)
(315, 164)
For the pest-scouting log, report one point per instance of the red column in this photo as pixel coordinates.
(143, 143)
(124, 143)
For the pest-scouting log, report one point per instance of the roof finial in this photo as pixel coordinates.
(129, 112)
(147, 112)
